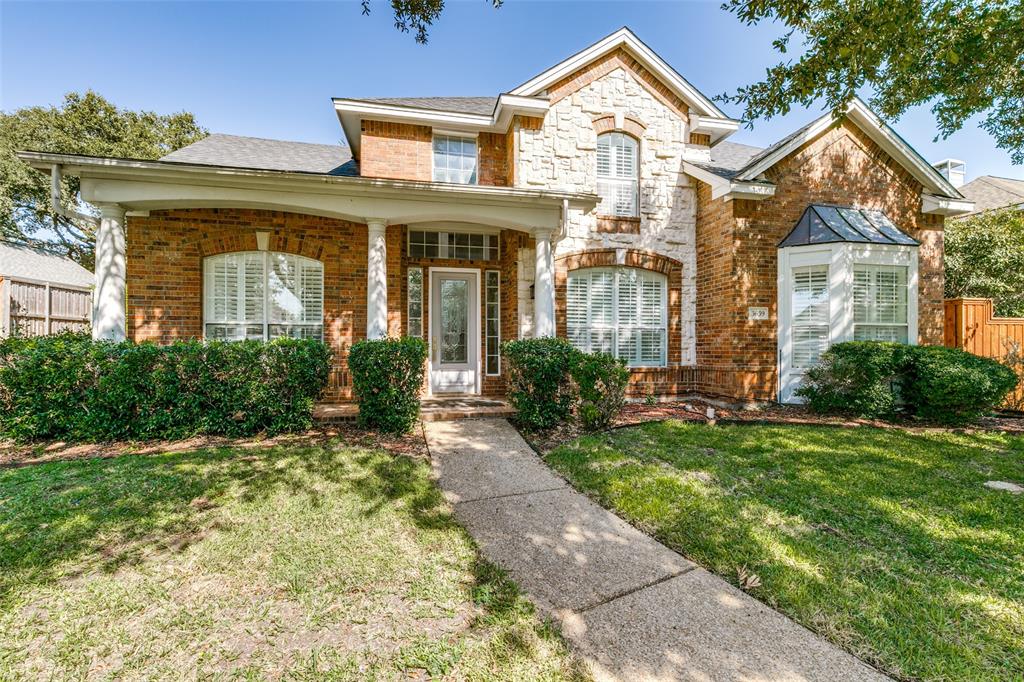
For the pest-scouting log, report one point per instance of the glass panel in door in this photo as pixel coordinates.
(454, 321)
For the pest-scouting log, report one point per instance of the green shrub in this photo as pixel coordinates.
(70, 387)
(601, 382)
(875, 379)
(952, 386)
(387, 375)
(539, 385)
(856, 377)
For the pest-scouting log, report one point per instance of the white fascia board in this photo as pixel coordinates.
(351, 113)
(879, 132)
(626, 39)
(730, 189)
(945, 206)
(717, 128)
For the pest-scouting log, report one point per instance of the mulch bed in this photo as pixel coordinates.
(15, 455)
(698, 411)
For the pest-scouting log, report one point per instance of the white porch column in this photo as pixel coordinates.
(108, 298)
(377, 281)
(544, 287)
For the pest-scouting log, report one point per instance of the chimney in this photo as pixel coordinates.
(953, 170)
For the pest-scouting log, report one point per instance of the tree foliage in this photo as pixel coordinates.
(82, 124)
(965, 57)
(417, 16)
(985, 259)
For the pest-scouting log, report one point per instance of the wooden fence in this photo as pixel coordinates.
(972, 326)
(36, 308)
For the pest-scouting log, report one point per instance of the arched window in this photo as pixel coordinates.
(617, 173)
(622, 311)
(262, 295)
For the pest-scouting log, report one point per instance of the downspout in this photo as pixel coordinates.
(58, 206)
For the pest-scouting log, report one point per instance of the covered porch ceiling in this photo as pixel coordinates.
(142, 186)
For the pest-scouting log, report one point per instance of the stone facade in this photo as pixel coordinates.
(561, 154)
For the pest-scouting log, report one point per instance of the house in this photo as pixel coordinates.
(42, 292)
(600, 200)
(992, 193)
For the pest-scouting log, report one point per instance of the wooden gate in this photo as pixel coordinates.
(35, 308)
(971, 326)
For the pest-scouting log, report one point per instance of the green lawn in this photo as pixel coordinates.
(294, 562)
(883, 541)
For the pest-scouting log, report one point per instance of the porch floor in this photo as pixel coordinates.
(431, 409)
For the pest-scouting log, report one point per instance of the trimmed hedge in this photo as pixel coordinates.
(600, 380)
(387, 375)
(72, 388)
(539, 385)
(875, 379)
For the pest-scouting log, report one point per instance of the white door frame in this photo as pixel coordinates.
(475, 340)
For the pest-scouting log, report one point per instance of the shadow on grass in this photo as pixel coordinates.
(59, 520)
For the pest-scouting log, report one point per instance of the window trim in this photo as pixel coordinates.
(444, 233)
(635, 180)
(463, 136)
(204, 301)
(409, 301)
(497, 304)
(615, 327)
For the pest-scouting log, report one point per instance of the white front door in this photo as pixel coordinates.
(454, 331)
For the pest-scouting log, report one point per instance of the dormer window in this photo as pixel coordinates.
(617, 175)
(455, 159)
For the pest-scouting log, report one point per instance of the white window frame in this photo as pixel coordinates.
(445, 245)
(461, 136)
(266, 323)
(409, 301)
(841, 257)
(617, 180)
(487, 319)
(615, 327)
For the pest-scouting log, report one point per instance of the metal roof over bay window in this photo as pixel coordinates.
(824, 223)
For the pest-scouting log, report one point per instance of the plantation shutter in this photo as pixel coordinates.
(880, 303)
(621, 311)
(810, 314)
(617, 174)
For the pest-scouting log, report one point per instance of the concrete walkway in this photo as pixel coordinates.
(634, 608)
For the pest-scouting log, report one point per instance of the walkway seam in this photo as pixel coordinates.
(634, 590)
(500, 497)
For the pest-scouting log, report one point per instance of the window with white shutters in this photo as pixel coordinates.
(262, 295)
(617, 172)
(810, 314)
(880, 303)
(622, 311)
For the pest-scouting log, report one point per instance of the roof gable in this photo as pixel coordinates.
(860, 115)
(626, 40)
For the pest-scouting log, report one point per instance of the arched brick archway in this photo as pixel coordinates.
(628, 258)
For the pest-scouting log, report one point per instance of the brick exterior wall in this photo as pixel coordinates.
(397, 151)
(165, 286)
(737, 254)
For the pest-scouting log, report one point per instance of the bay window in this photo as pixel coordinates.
(262, 295)
(622, 311)
(880, 303)
(617, 174)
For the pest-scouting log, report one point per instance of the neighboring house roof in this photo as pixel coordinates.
(463, 105)
(28, 262)
(824, 223)
(235, 151)
(989, 193)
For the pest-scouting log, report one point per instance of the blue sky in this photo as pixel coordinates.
(269, 69)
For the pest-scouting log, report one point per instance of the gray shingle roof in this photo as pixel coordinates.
(461, 105)
(20, 260)
(729, 158)
(824, 223)
(258, 153)
(989, 192)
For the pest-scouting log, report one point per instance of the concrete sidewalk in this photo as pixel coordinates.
(634, 608)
